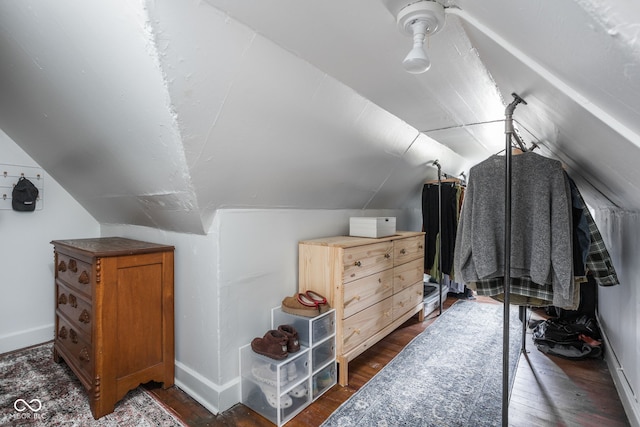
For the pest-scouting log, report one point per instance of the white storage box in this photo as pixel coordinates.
(372, 226)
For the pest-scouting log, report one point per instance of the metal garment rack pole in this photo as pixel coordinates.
(440, 281)
(509, 132)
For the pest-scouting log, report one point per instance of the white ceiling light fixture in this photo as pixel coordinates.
(419, 20)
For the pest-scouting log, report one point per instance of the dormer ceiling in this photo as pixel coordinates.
(158, 113)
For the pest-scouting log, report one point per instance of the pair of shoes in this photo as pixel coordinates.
(273, 344)
(267, 373)
(277, 343)
(309, 304)
(272, 397)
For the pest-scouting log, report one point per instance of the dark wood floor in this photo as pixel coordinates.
(548, 391)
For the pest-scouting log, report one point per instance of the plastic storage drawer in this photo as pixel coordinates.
(322, 354)
(323, 380)
(311, 330)
(276, 389)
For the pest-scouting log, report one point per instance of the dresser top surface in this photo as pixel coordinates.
(110, 246)
(349, 241)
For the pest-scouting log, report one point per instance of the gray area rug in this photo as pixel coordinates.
(449, 375)
(36, 391)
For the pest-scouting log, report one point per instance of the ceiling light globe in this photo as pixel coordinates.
(417, 61)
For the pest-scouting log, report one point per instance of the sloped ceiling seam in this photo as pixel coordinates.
(558, 83)
(154, 53)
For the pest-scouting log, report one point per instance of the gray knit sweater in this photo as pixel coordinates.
(541, 224)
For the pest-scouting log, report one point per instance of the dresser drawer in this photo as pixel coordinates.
(407, 299)
(75, 308)
(76, 349)
(361, 261)
(407, 274)
(74, 273)
(408, 249)
(364, 324)
(367, 291)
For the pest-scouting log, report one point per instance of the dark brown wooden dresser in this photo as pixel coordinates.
(114, 315)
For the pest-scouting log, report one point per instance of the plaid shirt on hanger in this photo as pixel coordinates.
(599, 261)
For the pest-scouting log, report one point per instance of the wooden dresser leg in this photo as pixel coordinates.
(343, 371)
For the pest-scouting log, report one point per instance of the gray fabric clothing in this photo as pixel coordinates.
(541, 238)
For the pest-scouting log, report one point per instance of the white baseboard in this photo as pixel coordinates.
(212, 396)
(26, 338)
(629, 401)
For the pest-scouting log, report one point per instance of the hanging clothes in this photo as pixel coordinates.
(452, 193)
(541, 238)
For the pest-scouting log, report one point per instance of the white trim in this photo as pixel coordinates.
(214, 397)
(26, 338)
(629, 401)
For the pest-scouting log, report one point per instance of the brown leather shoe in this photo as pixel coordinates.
(291, 305)
(273, 345)
(293, 344)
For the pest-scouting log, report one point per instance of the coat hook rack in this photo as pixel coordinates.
(11, 174)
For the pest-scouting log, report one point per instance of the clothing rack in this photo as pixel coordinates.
(510, 136)
(439, 181)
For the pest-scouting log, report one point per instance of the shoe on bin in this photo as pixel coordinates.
(309, 304)
(293, 344)
(273, 344)
(291, 305)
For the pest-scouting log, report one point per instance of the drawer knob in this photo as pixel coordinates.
(74, 336)
(62, 266)
(85, 317)
(84, 278)
(73, 266)
(403, 251)
(84, 355)
(356, 331)
(62, 333)
(73, 301)
(420, 247)
(357, 264)
(387, 256)
(62, 299)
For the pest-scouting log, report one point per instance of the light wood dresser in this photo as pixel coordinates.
(114, 315)
(375, 285)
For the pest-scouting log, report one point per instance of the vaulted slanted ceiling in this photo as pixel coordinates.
(158, 113)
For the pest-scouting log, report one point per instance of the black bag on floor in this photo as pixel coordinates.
(571, 339)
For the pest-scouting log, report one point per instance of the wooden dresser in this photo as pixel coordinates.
(375, 285)
(114, 315)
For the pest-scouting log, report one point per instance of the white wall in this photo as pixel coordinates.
(619, 306)
(26, 256)
(227, 282)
